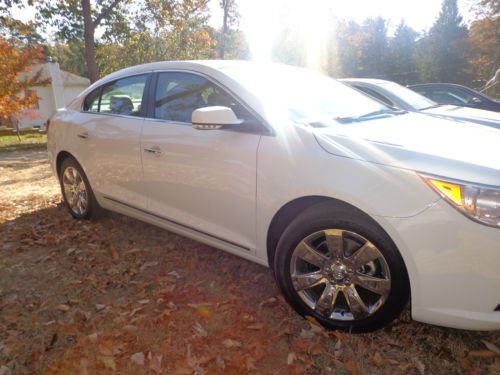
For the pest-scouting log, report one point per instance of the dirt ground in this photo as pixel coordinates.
(117, 296)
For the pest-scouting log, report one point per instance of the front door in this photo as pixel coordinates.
(201, 179)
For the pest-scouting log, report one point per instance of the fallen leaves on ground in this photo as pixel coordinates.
(121, 296)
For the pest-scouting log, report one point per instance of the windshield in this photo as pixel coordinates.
(305, 96)
(412, 98)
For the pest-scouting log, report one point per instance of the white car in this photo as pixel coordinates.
(357, 208)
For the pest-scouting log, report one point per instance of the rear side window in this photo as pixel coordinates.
(91, 102)
(179, 94)
(121, 97)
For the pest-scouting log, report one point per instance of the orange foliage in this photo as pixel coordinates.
(15, 95)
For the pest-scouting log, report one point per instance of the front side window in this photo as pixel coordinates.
(179, 94)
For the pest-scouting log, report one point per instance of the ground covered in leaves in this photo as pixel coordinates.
(121, 296)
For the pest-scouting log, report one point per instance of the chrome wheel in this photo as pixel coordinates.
(75, 191)
(340, 275)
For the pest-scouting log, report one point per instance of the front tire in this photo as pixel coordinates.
(76, 191)
(337, 265)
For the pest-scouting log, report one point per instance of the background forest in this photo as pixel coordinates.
(94, 38)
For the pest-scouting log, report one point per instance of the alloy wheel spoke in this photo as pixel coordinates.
(373, 284)
(309, 254)
(335, 243)
(363, 255)
(358, 308)
(68, 176)
(326, 301)
(307, 280)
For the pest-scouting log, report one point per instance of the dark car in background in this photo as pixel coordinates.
(397, 96)
(450, 93)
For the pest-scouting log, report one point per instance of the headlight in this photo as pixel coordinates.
(479, 203)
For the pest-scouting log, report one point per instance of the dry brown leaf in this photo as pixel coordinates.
(93, 337)
(291, 358)
(148, 264)
(155, 363)
(481, 353)
(229, 343)
(419, 365)
(63, 307)
(378, 360)
(256, 326)
(106, 347)
(352, 367)
(491, 347)
(306, 334)
(108, 362)
(200, 330)
(138, 358)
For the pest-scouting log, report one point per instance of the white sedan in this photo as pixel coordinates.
(357, 208)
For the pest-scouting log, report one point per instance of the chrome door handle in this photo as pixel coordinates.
(153, 150)
(83, 135)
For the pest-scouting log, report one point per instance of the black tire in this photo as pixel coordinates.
(92, 209)
(331, 215)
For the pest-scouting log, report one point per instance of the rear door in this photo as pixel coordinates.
(200, 179)
(109, 140)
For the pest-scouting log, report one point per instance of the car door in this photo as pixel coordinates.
(203, 180)
(110, 140)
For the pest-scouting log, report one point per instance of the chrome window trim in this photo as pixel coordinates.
(268, 129)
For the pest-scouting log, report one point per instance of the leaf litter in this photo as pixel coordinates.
(120, 296)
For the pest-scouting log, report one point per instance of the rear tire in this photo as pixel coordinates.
(76, 191)
(339, 266)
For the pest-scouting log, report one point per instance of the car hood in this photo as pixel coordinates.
(465, 114)
(421, 143)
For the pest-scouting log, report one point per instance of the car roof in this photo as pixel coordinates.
(438, 84)
(374, 81)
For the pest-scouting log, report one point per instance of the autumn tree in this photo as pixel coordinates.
(484, 39)
(173, 30)
(17, 78)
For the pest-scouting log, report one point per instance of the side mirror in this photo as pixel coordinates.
(215, 117)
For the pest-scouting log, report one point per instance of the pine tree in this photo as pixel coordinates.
(402, 55)
(444, 51)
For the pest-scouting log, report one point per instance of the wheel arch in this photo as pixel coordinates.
(61, 156)
(284, 216)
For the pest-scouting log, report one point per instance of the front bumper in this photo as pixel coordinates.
(454, 267)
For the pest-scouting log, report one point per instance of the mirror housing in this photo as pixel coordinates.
(215, 117)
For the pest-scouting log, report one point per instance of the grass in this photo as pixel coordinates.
(31, 140)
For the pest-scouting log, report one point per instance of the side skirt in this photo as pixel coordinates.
(183, 230)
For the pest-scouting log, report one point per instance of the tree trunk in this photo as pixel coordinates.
(89, 41)
(222, 51)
